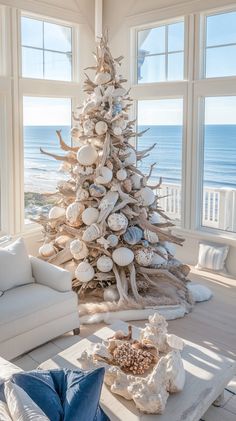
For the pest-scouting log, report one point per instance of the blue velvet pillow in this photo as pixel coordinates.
(65, 395)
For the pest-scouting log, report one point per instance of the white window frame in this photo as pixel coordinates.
(192, 89)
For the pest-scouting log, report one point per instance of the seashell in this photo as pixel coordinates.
(119, 92)
(88, 127)
(101, 78)
(56, 212)
(117, 131)
(88, 106)
(150, 236)
(136, 181)
(154, 218)
(73, 213)
(170, 247)
(79, 169)
(47, 250)
(82, 194)
(92, 233)
(162, 250)
(78, 249)
(123, 256)
(101, 127)
(61, 241)
(121, 174)
(145, 243)
(157, 260)
(144, 256)
(111, 293)
(145, 196)
(127, 184)
(133, 235)
(131, 158)
(97, 190)
(104, 264)
(109, 164)
(87, 155)
(112, 240)
(90, 216)
(84, 272)
(71, 267)
(117, 221)
(64, 167)
(105, 177)
(76, 132)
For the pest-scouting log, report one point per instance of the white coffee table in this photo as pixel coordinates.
(207, 374)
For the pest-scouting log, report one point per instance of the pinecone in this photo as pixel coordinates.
(133, 360)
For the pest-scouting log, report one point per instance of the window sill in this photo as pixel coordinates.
(208, 235)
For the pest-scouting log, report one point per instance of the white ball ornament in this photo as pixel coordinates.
(56, 212)
(104, 264)
(73, 213)
(101, 127)
(84, 272)
(123, 256)
(146, 196)
(130, 158)
(112, 240)
(105, 177)
(90, 216)
(87, 155)
(121, 175)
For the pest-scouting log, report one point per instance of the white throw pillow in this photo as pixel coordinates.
(212, 256)
(4, 413)
(15, 266)
(21, 406)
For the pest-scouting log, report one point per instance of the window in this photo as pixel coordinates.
(219, 176)
(46, 50)
(164, 118)
(220, 45)
(160, 55)
(42, 117)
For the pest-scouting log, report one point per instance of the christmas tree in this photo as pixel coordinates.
(107, 227)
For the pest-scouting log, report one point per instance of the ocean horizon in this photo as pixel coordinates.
(42, 175)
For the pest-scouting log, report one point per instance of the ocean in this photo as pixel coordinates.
(41, 171)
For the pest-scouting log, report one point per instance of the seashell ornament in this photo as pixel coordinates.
(56, 212)
(144, 256)
(88, 127)
(162, 250)
(157, 260)
(131, 156)
(154, 218)
(92, 233)
(73, 213)
(117, 221)
(78, 249)
(117, 131)
(90, 216)
(84, 272)
(170, 247)
(97, 190)
(61, 241)
(127, 184)
(133, 235)
(136, 181)
(151, 236)
(87, 155)
(111, 293)
(145, 196)
(121, 175)
(112, 240)
(102, 77)
(104, 264)
(47, 250)
(123, 256)
(101, 128)
(82, 194)
(105, 177)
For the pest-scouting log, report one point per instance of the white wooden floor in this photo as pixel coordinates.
(211, 324)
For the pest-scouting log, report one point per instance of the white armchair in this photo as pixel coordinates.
(37, 310)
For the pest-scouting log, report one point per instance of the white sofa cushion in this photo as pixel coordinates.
(15, 266)
(27, 307)
(20, 404)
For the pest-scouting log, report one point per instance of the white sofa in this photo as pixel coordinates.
(36, 311)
